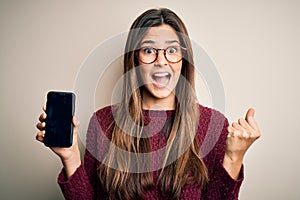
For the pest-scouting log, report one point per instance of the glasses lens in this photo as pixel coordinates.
(174, 54)
(147, 55)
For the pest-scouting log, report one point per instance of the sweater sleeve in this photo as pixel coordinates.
(221, 185)
(82, 184)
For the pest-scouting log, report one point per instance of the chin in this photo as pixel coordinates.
(160, 93)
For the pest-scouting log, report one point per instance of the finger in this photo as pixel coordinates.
(243, 123)
(252, 122)
(250, 114)
(44, 108)
(250, 119)
(41, 126)
(248, 128)
(230, 130)
(40, 136)
(75, 122)
(42, 117)
(240, 131)
(254, 125)
(236, 126)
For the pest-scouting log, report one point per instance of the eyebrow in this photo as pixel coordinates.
(148, 42)
(172, 41)
(153, 42)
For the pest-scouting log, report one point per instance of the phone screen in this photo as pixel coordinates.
(59, 126)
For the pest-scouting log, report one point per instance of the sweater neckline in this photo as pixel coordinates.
(158, 113)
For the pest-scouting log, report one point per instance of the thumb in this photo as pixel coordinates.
(250, 113)
(75, 122)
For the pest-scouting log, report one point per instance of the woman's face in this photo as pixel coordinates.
(161, 76)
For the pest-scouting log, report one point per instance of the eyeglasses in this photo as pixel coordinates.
(148, 55)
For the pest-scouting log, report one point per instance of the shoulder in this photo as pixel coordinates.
(106, 113)
(103, 118)
(210, 115)
(99, 132)
(100, 120)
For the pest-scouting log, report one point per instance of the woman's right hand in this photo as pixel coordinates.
(70, 156)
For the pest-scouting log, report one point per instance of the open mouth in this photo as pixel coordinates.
(161, 79)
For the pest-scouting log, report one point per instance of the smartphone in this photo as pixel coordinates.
(60, 109)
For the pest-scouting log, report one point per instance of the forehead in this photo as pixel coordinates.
(161, 34)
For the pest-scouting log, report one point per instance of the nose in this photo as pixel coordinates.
(161, 59)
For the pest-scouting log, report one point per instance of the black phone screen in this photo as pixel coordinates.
(59, 126)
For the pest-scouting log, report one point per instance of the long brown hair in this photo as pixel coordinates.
(189, 168)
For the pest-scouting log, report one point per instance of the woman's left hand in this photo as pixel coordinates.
(241, 135)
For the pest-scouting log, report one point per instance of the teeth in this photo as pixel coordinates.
(161, 74)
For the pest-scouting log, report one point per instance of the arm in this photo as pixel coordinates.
(70, 157)
(224, 162)
(73, 178)
(241, 136)
(221, 185)
(82, 183)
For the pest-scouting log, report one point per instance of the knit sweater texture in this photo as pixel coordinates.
(211, 134)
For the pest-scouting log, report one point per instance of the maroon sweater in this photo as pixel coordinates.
(211, 134)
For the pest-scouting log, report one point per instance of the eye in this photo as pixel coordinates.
(172, 50)
(149, 50)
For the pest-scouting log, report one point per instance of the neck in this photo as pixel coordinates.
(153, 103)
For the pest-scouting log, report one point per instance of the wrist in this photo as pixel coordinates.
(233, 160)
(233, 165)
(234, 157)
(71, 164)
(71, 161)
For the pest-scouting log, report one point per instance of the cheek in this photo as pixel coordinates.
(144, 72)
(177, 68)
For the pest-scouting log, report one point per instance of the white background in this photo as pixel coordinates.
(254, 45)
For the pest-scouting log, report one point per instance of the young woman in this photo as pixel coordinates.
(161, 144)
